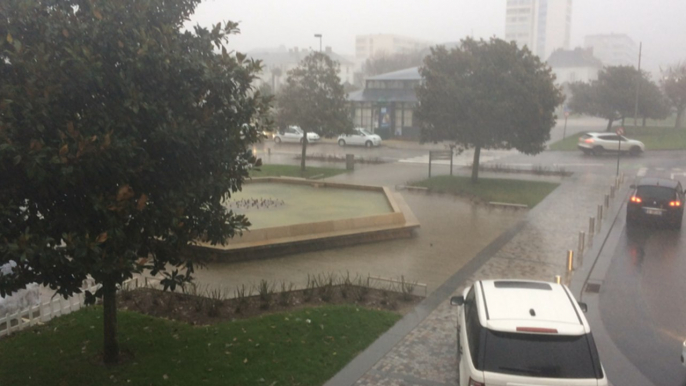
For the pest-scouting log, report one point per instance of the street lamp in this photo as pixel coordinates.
(320, 41)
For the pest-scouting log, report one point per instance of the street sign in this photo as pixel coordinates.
(620, 131)
(566, 114)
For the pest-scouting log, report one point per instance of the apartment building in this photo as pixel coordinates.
(367, 46)
(613, 49)
(542, 25)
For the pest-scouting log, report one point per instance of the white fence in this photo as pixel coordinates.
(41, 313)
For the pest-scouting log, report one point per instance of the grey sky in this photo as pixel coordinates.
(659, 24)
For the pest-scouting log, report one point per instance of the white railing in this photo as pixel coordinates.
(41, 313)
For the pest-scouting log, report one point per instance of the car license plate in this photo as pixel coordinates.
(654, 212)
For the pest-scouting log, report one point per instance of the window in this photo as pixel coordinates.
(551, 356)
(655, 192)
(473, 327)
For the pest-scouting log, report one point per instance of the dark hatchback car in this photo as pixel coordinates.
(656, 200)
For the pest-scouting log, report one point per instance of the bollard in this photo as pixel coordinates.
(591, 226)
(570, 260)
(558, 279)
(612, 192)
(599, 221)
(607, 200)
(582, 242)
(350, 161)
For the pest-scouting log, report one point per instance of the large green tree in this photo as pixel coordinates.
(487, 95)
(121, 135)
(674, 86)
(612, 96)
(652, 103)
(314, 99)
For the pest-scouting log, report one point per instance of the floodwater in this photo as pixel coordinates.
(278, 204)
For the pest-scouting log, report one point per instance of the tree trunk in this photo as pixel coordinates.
(679, 117)
(304, 152)
(109, 301)
(475, 164)
(609, 124)
(644, 121)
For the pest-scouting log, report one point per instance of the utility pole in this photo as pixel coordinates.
(639, 77)
(320, 41)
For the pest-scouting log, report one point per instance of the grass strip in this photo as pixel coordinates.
(524, 192)
(305, 347)
(655, 138)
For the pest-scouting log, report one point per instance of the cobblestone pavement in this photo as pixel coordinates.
(426, 356)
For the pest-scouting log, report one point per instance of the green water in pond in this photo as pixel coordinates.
(276, 204)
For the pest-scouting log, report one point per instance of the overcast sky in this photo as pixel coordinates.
(659, 24)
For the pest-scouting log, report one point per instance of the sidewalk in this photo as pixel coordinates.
(420, 349)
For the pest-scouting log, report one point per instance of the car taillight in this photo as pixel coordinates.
(675, 203)
(636, 199)
(475, 383)
(589, 140)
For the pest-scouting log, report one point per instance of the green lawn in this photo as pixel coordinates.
(294, 171)
(305, 347)
(655, 138)
(528, 193)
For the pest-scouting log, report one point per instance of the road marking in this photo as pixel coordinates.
(642, 172)
(677, 174)
(660, 169)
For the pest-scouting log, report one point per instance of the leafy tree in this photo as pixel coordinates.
(674, 86)
(384, 63)
(652, 103)
(487, 95)
(612, 96)
(313, 98)
(120, 137)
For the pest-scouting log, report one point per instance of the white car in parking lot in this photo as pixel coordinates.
(359, 137)
(599, 143)
(294, 134)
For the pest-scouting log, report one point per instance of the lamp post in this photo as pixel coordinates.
(320, 41)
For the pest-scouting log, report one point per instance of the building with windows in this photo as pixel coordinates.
(613, 49)
(367, 46)
(386, 104)
(577, 65)
(542, 25)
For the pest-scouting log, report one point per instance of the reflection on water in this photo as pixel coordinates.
(278, 204)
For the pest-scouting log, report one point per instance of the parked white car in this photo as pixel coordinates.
(359, 137)
(294, 134)
(683, 353)
(516, 332)
(599, 143)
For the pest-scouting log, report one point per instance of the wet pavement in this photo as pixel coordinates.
(424, 342)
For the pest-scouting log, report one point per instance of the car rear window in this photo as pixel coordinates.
(655, 192)
(546, 356)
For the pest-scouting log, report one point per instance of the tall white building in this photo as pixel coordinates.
(542, 25)
(367, 46)
(613, 49)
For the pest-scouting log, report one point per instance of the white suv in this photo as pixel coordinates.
(599, 143)
(514, 332)
(294, 134)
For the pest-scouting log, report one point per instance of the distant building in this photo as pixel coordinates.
(386, 104)
(277, 62)
(542, 25)
(367, 46)
(613, 49)
(577, 65)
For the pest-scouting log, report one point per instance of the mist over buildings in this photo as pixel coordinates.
(267, 24)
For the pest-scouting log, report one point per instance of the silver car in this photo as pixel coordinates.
(599, 143)
(294, 134)
(359, 137)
